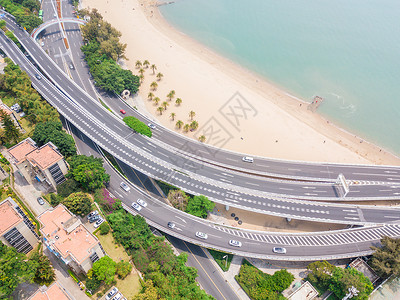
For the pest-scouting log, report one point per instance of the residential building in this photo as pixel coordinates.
(68, 239)
(360, 265)
(305, 292)
(44, 164)
(16, 229)
(54, 292)
(8, 111)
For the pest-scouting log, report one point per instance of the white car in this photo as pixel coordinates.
(142, 202)
(92, 214)
(235, 243)
(171, 225)
(201, 235)
(111, 293)
(117, 297)
(42, 44)
(279, 250)
(136, 206)
(248, 159)
(125, 187)
(98, 222)
(152, 126)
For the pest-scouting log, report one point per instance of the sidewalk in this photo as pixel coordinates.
(231, 273)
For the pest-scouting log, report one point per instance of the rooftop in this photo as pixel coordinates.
(8, 216)
(360, 265)
(5, 108)
(305, 292)
(45, 156)
(53, 292)
(66, 233)
(19, 151)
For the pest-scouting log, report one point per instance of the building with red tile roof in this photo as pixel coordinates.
(54, 292)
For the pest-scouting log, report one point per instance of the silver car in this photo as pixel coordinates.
(279, 250)
(235, 243)
(125, 187)
(201, 235)
(136, 206)
(111, 293)
(142, 202)
(152, 126)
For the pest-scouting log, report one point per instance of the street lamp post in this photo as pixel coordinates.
(352, 292)
(226, 260)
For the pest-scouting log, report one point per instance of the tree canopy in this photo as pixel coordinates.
(138, 126)
(343, 279)
(104, 269)
(386, 259)
(78, 203)
(199, 206)
(51, 131)
(88, 171)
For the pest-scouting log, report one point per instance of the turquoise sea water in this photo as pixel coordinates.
(347, 51)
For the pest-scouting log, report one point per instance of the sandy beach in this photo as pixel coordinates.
(274, 123)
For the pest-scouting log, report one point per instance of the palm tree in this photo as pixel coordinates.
(138, 64)
(165, 104)
(202, 138)
(153, 67)
(171, 95)
(141, 77)
(173, 115)
(156, 100)
(141, 71)
(146, 63)
(192, 114)
(186, 127)
(178, 101)
(160, 109)
(159, 76)
(150, 96)
(179, 124)
(194, 125)
(154, 85)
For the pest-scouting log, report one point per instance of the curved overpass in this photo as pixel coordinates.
(43, 26)
(142, 160)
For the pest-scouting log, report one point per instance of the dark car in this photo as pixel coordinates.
(94, 218)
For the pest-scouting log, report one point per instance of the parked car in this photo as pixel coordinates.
(201, 235)
(98, 222)
(125, 187)
(40, 200)
(248, 159)
(111, 293)
(122, 111)
(117, 297)
(235, 243)
(92, 214)
(94, 218)
(142, 202)
(171, 225)
(152, 126)
(279, 250)
(136, 206)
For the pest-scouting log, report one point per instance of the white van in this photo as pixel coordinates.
(248, 159)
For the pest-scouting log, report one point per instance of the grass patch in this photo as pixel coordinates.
(130, 286)
(105, 105)
(218, 257)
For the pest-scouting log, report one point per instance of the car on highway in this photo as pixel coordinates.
(122, 111)
(136, 206)
(248, 159)
(92, 214)
(94, 218)
(171, 225)
(152, 126)
(42, 44)
(142, 202)
(40, 200)
(235, 243)
(98, 222)
(201, 235)
(125, 187)
(111, 293)
(279, 250)
(71, 66)
(38, 77)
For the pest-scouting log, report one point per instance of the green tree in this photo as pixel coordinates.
(171, 95)
(78, 203)
(178, 101)
(153, 67)
(150, 96)
(321, 272)
(156, 100)
(194, 125)
(160, 109)
(179, 124)
(51, 131)
(343, 279)
(104, 269)
(44, 270)
(159, 76)
(165, 104)
(154, 85)
(3, 25)
(386, 259)
(173, 115)
(178, 199)
(146, 63)
(11, 132)
(138, 64)
(141, 71)
(124, 268)
(202, 138)
(282, 279)
(88, 171)
(14, 269)
(199, 206)
(68, 187)
(192, 114)
(104, 228)
(32, 5)
(149, 292)
(137, 126)
(186, 127)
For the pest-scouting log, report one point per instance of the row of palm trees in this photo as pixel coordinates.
(170, 96)
(186, 127)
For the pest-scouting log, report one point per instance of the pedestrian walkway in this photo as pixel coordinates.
(229, 276)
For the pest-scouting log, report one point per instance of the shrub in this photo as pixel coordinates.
(138, 126)
(104, 228)
(124, 268)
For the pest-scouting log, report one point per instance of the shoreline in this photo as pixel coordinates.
(315, 138)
